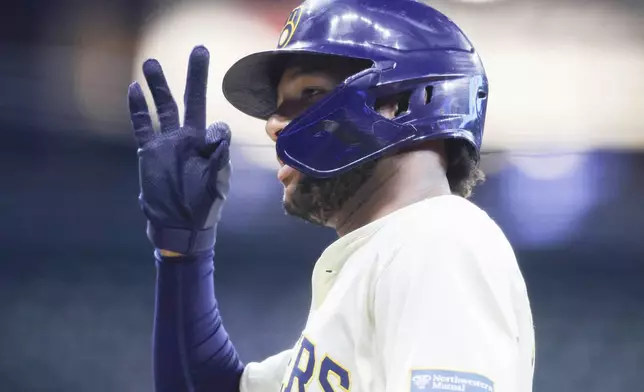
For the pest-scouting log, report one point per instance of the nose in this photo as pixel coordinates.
(275, 124)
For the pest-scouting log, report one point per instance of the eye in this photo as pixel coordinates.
(312, 92)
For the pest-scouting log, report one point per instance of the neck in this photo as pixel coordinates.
(398, 181)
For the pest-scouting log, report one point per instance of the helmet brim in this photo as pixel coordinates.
(250, 85)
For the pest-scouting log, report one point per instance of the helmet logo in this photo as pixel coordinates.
(290, 27)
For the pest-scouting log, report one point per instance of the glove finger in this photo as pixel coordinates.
(216, 133)
(196, 86)
(221, 155)
(166, 106)
(139, 115)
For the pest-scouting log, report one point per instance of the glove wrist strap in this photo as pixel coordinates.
(184, 241)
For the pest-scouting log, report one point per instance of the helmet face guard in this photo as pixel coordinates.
(342, 131)
(416, 52)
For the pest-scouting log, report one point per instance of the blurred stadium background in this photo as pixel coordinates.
(566, 182)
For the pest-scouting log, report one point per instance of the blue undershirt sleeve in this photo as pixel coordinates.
(191, 349)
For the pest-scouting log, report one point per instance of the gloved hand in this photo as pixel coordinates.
(184, 170)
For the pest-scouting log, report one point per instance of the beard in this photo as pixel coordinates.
(318, 200)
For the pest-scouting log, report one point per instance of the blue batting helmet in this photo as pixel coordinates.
(413, 49)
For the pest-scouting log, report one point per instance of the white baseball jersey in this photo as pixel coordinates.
(428, 298)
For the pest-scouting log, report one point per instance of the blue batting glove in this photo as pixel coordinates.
(184, 170)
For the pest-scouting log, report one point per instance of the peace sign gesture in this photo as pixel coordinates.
(184, 170)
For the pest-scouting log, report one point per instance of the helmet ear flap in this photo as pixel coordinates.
(421, 97)
(404, 103)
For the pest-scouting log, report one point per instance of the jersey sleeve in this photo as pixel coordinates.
(443, 321)
(265, 376)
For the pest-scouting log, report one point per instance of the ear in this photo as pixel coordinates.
(388, 110)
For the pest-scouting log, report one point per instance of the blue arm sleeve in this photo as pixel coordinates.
(191, 348)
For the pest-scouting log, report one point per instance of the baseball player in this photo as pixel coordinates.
(377, 110)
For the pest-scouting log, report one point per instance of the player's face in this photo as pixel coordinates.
(315, 200)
